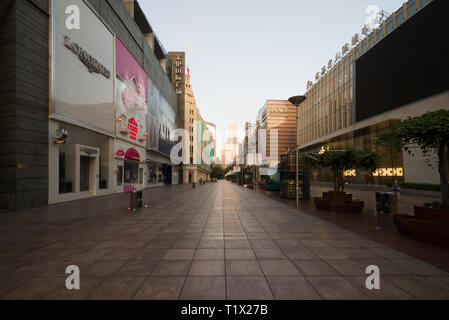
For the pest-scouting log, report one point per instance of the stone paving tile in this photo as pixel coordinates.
(416, 267)
(264, 244)
(314, 267)
(265, 254)
(150, 254)
(87, 286)
(292, 288)
(347, 267)
(243, 268)
(209, 254)
(160, 288)
(226, 243)
(386, 267)
(204, 288)
(388, 291)
(316, 243)
(329, 253)
(359, 253)
(207, 268)
(116, 289)
(248, 288)
(419, 287)
(336, 288)
(9, 283)
(172, 268)
(179, 254)
(278, 268)
(299, 253)
(120, 255)
(33, 288)
(135, 268)
(102, 268)
(237, 244)
(211, 244)
(239, 254)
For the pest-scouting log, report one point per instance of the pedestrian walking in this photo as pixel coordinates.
(397, 188)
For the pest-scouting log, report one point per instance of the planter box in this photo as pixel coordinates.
(428, 225)
(339, 202)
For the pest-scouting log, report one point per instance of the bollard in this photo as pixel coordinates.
(193, 185)
(133, 201)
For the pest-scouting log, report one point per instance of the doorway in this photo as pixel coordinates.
(84, 173)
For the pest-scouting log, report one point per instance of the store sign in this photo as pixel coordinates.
(179, 74)
(350, 173)
(90, 62)
(83, 96)
(120, 153)
(389, 172)
(133, 129)
(279, 111)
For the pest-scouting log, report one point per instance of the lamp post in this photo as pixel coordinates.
(297, 100)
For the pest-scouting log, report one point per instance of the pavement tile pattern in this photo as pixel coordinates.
(218, 241)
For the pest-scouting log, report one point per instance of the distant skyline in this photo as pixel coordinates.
(241, 53)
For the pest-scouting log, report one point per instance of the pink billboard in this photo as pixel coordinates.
(128, 68)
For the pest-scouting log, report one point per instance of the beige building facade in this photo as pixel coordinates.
(190, 119)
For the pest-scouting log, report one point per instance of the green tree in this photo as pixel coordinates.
(217, 173)
(340, 160)
(429, 132)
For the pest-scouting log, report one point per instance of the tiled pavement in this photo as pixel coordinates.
(217, 241)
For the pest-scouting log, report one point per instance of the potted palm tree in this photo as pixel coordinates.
(339, 161)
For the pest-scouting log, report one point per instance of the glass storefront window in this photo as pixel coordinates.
(131, 173)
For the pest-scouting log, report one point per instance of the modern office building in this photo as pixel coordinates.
(399, 70)
(201, 133)
(88, 108)
(278, 119)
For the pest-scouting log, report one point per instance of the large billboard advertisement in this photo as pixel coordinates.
(82, 68)
(410, 64)
(131, 97)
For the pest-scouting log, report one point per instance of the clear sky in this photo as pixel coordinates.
(243, 52)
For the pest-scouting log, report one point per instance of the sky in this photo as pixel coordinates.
(243, 52)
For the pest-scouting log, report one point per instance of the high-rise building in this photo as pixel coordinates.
(201, 142)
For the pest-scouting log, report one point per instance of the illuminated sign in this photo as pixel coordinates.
(389, 172)
(133, 129)
(350, 173)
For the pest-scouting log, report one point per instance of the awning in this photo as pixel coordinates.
(132, 154)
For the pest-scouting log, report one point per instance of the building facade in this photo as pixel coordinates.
(372, 86)
(278, 119)
(201, 134)
(90, 101)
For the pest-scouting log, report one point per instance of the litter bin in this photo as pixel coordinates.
(392, 199)
(136, 200)
(386, 202)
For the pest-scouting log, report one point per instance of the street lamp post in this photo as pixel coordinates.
(297, 100)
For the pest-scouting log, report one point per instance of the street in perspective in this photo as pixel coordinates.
(310, 162)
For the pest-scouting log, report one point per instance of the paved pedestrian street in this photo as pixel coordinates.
(218, 241)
